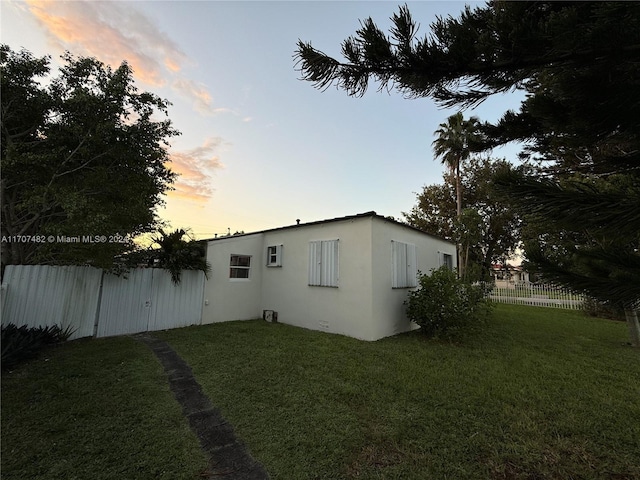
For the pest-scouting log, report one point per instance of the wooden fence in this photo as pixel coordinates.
(538, 295)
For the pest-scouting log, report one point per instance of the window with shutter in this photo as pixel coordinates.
(404, 265)
(323, 263)
(274, 256)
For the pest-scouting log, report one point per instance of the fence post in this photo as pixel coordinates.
(631, 315)
(97, 318)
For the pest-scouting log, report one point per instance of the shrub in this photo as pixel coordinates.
(22, 343)
(594, 308)
(446, 306)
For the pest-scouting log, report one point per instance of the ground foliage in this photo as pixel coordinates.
(446, 306)
(23, 343)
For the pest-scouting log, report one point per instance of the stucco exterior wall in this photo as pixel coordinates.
(227, 299)
(389, 316)
(363, 305)
(346, 309)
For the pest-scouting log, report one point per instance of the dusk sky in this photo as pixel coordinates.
(259, 147)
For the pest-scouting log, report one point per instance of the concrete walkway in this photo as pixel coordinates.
(228, 457)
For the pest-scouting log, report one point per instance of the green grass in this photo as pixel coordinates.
(541, 394)
(95, 409)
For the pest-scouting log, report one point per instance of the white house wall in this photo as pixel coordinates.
(227, 299)
(344, 310)
(389, 316)
(364, 305)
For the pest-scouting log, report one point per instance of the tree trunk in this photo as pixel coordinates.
(631, 315)
(461, 257)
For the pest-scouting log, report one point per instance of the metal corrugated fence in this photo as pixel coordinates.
(96, 303)
(42, 295)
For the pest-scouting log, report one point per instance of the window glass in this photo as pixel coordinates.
(447, 260)
(240, 265)
(274, 256)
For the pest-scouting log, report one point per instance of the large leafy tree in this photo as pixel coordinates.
(488, 229)
(579, 63)
(84, 155)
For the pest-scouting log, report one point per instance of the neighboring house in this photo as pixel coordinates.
(509, 275)
(347, 275)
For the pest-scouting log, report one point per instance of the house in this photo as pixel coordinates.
(509, 276)
(347, 275)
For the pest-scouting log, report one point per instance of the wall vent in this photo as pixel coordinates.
(270, 316)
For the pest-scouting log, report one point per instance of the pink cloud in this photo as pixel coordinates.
(199, 95)
(111, 32)
(195, 167)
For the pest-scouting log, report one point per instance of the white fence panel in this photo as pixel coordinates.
(43, 295)
(176, 305)
(537, 295)
(142, 300)
(126, 303)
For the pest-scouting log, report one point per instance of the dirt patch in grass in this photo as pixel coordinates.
(374, 457)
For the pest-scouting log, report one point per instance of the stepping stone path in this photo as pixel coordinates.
(228, 457)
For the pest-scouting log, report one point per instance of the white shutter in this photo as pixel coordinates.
(278, 255)
(330, 255)
(398, 264)
(323, 263)
(404, 265)
(315, 252)
(412, 266)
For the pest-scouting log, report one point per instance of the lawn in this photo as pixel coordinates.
(540, 394)
(95, 409)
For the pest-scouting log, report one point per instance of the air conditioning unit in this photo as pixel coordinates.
(270, 316)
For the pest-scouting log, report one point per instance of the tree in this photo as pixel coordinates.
(488, 229)
(175, 254)
(84, 161)
(580, 119)
(452, 147)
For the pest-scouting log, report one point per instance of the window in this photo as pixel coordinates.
(404, 265)
(274, 256)
(447, 260)
(240, 266)
(323, 263)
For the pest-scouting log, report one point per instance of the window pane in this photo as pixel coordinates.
(240, 261)
(239, 273)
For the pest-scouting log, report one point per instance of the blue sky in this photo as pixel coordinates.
(259, 147)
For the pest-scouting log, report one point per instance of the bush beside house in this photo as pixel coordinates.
(446, 306)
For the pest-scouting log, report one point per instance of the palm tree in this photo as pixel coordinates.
(176, 254)
(452, 146)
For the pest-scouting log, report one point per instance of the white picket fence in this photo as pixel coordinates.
(94, 303)
(538, 295)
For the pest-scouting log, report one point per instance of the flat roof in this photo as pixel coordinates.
(371, 214)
